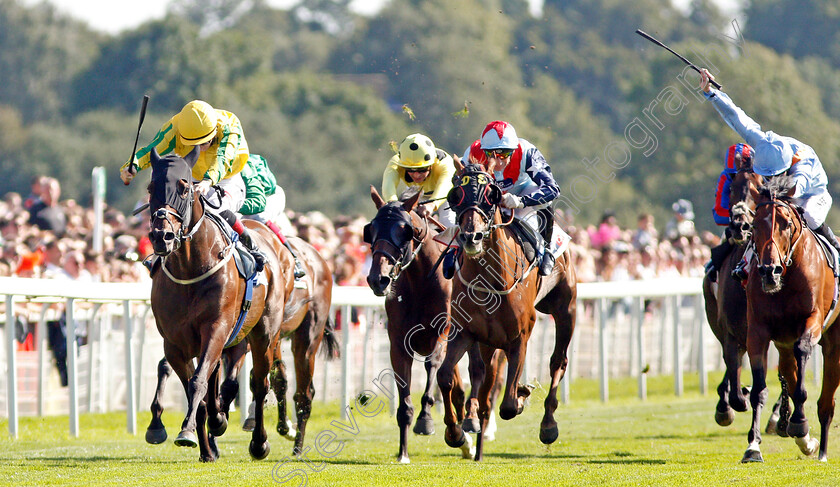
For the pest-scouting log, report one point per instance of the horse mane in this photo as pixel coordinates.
(779, 187)
(409, 193)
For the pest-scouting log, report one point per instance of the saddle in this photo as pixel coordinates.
(830, 253)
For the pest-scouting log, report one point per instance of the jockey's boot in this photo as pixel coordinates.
(299, 270)
(826, 232)
(719, 253)
(546, 231)
(448, 265)
(245, 237)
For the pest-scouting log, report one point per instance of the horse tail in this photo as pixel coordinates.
(331, 348)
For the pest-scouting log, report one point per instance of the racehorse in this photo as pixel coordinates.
(417, 303)
(790, 302)
(196, 298)
(495, 296)
(726, 301)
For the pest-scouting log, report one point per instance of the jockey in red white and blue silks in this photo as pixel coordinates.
(721, 210)
(525, 180)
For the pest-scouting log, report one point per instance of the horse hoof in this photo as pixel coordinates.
(807, 445)
(218, 429)
(798, 430)
(508, 413)
(752, 456)
(187, 438)
(724, 418)
(467, 449)
(770, 429)
(425, 426)
(214, 451)
(549, 435)
(156, 437)
(259, 452)
(286, 430)
(249, 425)
(457, 442)
(471, 425)
(403, 459)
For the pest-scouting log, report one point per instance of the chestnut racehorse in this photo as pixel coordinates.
(790, 301)
(196, 298)
(495, 297)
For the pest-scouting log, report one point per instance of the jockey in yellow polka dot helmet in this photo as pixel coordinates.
(420, 164)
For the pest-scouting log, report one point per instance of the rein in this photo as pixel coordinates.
(406, 256)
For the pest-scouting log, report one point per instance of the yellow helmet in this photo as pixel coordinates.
(416, 150)
(196, 124)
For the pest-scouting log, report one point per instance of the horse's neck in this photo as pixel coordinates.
(201, 248)
(503, 258)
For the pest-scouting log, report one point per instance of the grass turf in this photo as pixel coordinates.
(665, 440)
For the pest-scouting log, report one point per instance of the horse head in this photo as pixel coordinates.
(743, 192)
(474, 198)
(171, 200)
(777, 229)
(391, 234)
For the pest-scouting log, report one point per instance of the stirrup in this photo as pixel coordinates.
(299, 270)
(259, 259)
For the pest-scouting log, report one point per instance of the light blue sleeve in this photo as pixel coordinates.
(737, 120)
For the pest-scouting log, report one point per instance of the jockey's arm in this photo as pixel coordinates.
(163, 142)
(255, 197)
(736, 118)
(540, 173)
(390, 180)
(443, 182)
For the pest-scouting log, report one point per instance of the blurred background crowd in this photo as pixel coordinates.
(44, 236)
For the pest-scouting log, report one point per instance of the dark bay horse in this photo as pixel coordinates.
(790, 302)
(196, 298)
(417, 303)
(495, 297)
(726, 300)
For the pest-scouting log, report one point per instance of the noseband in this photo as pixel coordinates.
(165, 213)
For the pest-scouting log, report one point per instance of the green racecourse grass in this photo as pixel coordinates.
(663, 441)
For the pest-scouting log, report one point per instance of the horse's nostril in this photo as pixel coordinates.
(384, 281)
(478, 237)
(169, 236)
(777, 270)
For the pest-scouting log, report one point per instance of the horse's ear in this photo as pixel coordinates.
(410, 203)
(192, 156)
(154, 157)
(459, 166)
(377, 200)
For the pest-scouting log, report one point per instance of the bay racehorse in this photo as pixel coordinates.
(726, 300)
(791, 299)
(495, 297)
(197, 295)
(417, 300)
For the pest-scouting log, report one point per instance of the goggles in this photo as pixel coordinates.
(499, 153)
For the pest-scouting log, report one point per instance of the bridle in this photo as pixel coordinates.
(787, 258)
(404, 249)
(164, 213)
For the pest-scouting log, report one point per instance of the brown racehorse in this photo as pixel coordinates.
(404, 254)
(790, 302)
(726, 301)
(197, 295)
(495, 297)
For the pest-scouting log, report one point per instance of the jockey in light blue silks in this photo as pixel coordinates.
(524, 177)
(776, 154)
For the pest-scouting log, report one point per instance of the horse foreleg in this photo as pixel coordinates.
(735, 399)
(454, 434)
(476, 369)
(425, 425)
(798, 427)
(757, 344)
(831, 380)
(216, 418)
(197, 388)
(401, 363)
(484, 403)
(263, 358)
(513, 401)
(234, 358)
(156, 432)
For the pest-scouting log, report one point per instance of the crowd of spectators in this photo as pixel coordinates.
(44, 236)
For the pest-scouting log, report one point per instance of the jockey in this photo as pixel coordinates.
(419, 164)
(223, 153)
(776, 154)
(720, 213)
(525, 179)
